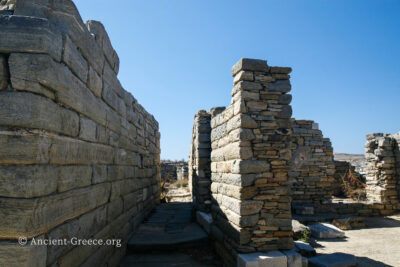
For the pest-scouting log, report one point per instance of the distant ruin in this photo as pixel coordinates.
(267, 167)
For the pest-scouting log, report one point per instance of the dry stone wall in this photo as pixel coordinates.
(250, 157)
(382, 170)
(312, 167)
(80, 157)
(199, 162)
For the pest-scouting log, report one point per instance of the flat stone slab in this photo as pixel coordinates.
(169, 227)
(333, 260)
(294, 259)
(262, 259)
(325, 230)
(304, 249)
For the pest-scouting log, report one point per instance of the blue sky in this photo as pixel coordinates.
(176, 57)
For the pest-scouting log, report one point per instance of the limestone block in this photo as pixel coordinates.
(74, 60)
(241, 121)
(33, 111)
(83, 227)
(250, 65)
(294, 259)
(110, 77)
(280, 70)
(205, 220)
(29, 34)
(13, 254)
(280, 86)
(32, 217)
(325, 230)
(95, 82)
(71, 151)
(70, 177)
(99, 174)
(285, 99)
(24, 148)
(69, 89)
(250, 166)
(88, 130)
(27, 181)
(243, 76)
(262, 259)
(104, 42)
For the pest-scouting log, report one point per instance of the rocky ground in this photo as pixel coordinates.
(377, 245)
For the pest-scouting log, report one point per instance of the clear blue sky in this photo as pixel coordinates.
(176, 57)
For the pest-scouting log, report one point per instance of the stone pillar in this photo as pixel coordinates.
(199, 162)
(382, 177)
(250, 157)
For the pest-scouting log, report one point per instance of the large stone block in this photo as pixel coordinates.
(29, 35)
(27, 181)
(83, 227)
(75, 61)
(70, 177)
(32, 217)
(66, 151)
(250, 64)
(250, 166)
(13, 254)
(33, 111)
(24, 148)
(70, 91)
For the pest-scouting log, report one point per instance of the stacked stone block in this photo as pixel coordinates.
(382, 171)
(199, 162)
(312, 167)
(80, 156)
(250, 159)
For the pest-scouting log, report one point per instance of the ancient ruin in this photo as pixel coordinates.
(80, 158)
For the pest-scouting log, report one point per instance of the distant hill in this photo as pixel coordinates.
(357, 160)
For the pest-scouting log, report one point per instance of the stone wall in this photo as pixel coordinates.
(199, 161)
(250, 157)
(174, 170)
(312, 166)
(382, 170)
(80, 157)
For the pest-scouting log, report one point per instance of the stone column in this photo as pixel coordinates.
(381, 168)
(199, 162)
(250, 161)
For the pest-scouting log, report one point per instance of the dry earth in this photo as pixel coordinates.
(377, 245)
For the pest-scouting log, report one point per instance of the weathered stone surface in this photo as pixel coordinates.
(23, 148)
(325, 230)
(13, 254)
(250, 166)
(69, 90)
(250, 64)
(95, 83)
(88, 130)
(294, 259)
(29, 34)
(262, 259)
(33, 111)
(32, 217)
(104, 42)
(75, 61)
(27, 181)
(70, 177)
(71, 151)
